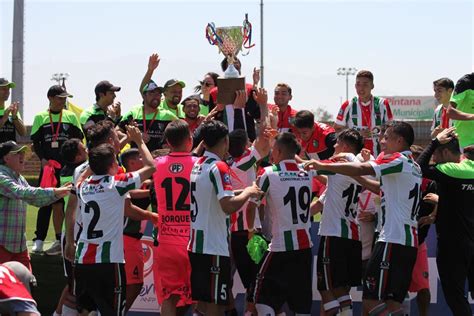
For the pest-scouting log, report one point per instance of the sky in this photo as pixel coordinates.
(406, 44)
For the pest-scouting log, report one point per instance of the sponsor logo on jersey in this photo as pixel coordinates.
(468, 187)
(315, 143)
(226, 178)
(385, 265)
(215, 270)
(176, 168)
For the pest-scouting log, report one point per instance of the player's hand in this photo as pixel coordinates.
(341, 157)
(312, 164)
(270, 133)
(14, 108)
(365, 216)
(134, 134)
(154, 219)
(261, 96)
(153, 62)
(256, 76)
(365, 133)
(70, 251)
(254, 191)
(62, 191)
(240, 99)
(431, 198)
(438, 129)
(446, 135)
(426, 220)
(114, 110)
(365, 153)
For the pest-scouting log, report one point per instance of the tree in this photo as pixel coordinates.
(322, 115)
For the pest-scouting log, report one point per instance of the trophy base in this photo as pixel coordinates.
(227, 88)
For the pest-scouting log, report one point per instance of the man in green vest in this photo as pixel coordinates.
(10, 119)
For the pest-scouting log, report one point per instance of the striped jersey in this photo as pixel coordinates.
(75, 177)
(172, 187)
(400, 191)
(441, 118)
(288, 190)
(339, 217)
(355, 114)
(210, 182)
(242, 175)
(102, 201)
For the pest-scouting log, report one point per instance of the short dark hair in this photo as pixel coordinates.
(469, 152)
(304, 119)
(365, 74)
(352, 138)
(177, 132)
(288, 143)
(452, 146)
(212, 132)
(69, 150)
(191, 98)
(225, 63)
(127, 155)
(444, 82)
(404, 130)
(238, 140)
(284, 85)
(101, 158)
(99, 133)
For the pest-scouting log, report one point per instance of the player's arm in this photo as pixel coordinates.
(250, 212)
(153, 62)
(455, 114)
(370, 184)
(348, 169)
(140, 194)
(148, 168)
(138, 214)
(69, 221)
(231, 204)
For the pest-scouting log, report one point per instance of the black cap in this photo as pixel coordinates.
(58, 91)
(10, 147)
(5, 83)
(104, 86)
(173, 82)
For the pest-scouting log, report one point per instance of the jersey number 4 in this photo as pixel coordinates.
(304, 201)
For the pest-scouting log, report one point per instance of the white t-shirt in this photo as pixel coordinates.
(400, 185)
(102, 200)
(210, 182)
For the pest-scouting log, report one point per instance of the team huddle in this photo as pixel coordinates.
(236, 188)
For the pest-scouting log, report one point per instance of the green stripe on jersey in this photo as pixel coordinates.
(80, 247)
(288, 240)
(407, 235)
(276, 168)
(344, 229)
(265, 185)
(394, 169)
(105, 255)
(199, 241)
(208, 161)
(240, 221)
(214, 182)
(249, 164)
(122, 190)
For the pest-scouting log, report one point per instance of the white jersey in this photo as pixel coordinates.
(339, 217)
(102, 201)
(78, 221)
(243, 174)
(400, 186)
(288, 190)
(210, 182)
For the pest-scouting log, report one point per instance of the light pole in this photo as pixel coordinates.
(343, 71)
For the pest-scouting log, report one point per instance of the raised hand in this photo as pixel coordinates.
(134, 134)
(256, 76)
(240, 99)
(153, 61)
(446, 135)
(261, 97)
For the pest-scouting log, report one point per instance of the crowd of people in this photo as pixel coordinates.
(235, 188)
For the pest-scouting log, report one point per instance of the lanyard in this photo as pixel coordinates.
(145, 130)
(55, 134)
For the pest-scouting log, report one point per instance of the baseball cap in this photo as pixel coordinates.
(150, 86)
(173, 82)
(104, 86)
(58, 91)
(5, 83)
(11, 147)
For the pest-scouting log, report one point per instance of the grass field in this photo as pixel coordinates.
(31, 215)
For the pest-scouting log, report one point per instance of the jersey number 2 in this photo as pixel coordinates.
(180, 205)
(91, 233)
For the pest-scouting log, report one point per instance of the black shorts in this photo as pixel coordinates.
(100, 286)
(210, 278)
(339, 263)
(68, 266)
(246, 267)
(285, 277)
(389, 271)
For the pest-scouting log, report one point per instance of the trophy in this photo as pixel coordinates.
(230, 40)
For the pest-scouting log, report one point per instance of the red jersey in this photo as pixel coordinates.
(193, 124)
(11, 287)
(317, 143)
(285, 119)
(172, 186)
